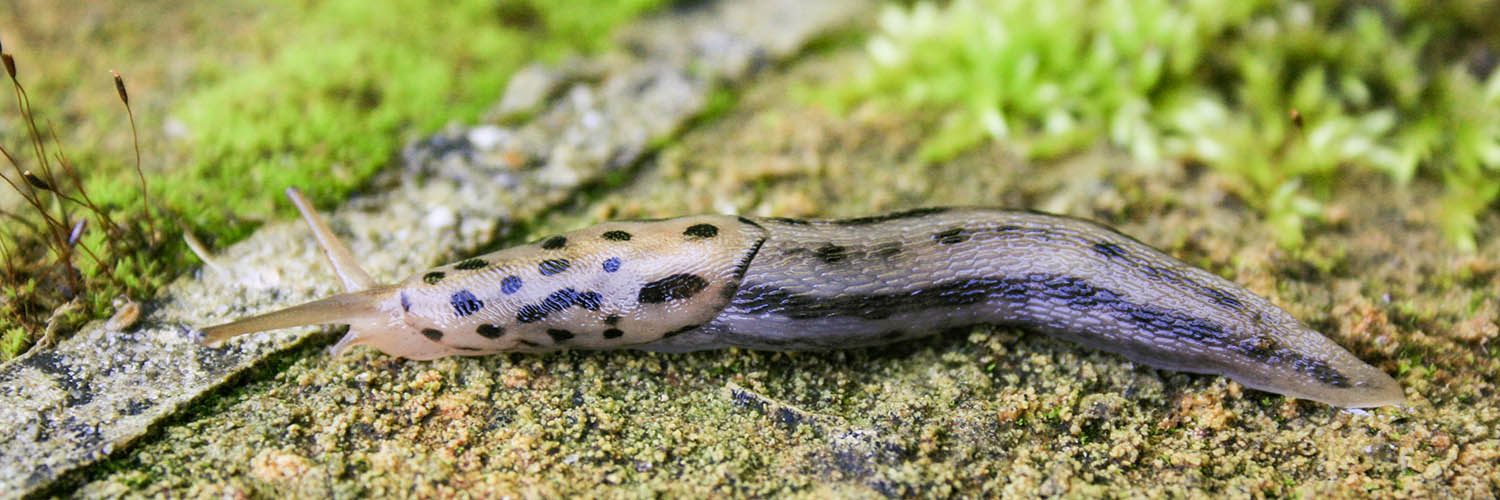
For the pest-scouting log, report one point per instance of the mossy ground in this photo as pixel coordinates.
(982, 412)
(237, 101)
(989, 411)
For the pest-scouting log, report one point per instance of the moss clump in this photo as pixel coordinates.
(1278, 96)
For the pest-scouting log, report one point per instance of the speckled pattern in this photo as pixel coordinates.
(982, 412)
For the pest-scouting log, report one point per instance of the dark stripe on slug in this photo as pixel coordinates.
(616, 236)
(433, 278)
(951, 236)
(554, 243)
(1221, 297)
(465, 303)
(680, 331)
(674, 287)
(1037, 289)
(613, 333)
(589, 300)
(553, 266)
(1108, 249)
(744, 265)
(876, 219)
(559, 301)
(529, 343)
(530, 313)
(748, 221)
(886, 249)
(471, 264)
(432, 334)
(831, 254)
(559, 335)
(787, 220)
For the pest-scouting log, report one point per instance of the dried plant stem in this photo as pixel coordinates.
(136, 140)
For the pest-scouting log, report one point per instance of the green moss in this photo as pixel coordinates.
(1217, 82)
(14, 342)
(348, 84)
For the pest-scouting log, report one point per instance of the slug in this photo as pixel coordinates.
(708, 282)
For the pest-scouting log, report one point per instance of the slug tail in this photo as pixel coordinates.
(353, 277)
(358, 307)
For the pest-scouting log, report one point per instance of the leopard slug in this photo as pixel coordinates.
(707, 282)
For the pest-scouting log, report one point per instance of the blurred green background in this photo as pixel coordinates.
(236, 100)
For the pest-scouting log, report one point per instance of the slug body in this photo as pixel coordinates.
(709, 282)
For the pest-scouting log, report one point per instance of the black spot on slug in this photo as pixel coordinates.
(559, 335)
(554, 243)
(433, 278)
(674, 287)
(701, 231)
(612, 320)
(471, 264)
(1108, 249)
(831, 253)
(465, 303)
(616, 236)
(553, 266)
(951, 236)
(432, 333)
(613, 333)
(490, 331)
(510, 285)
